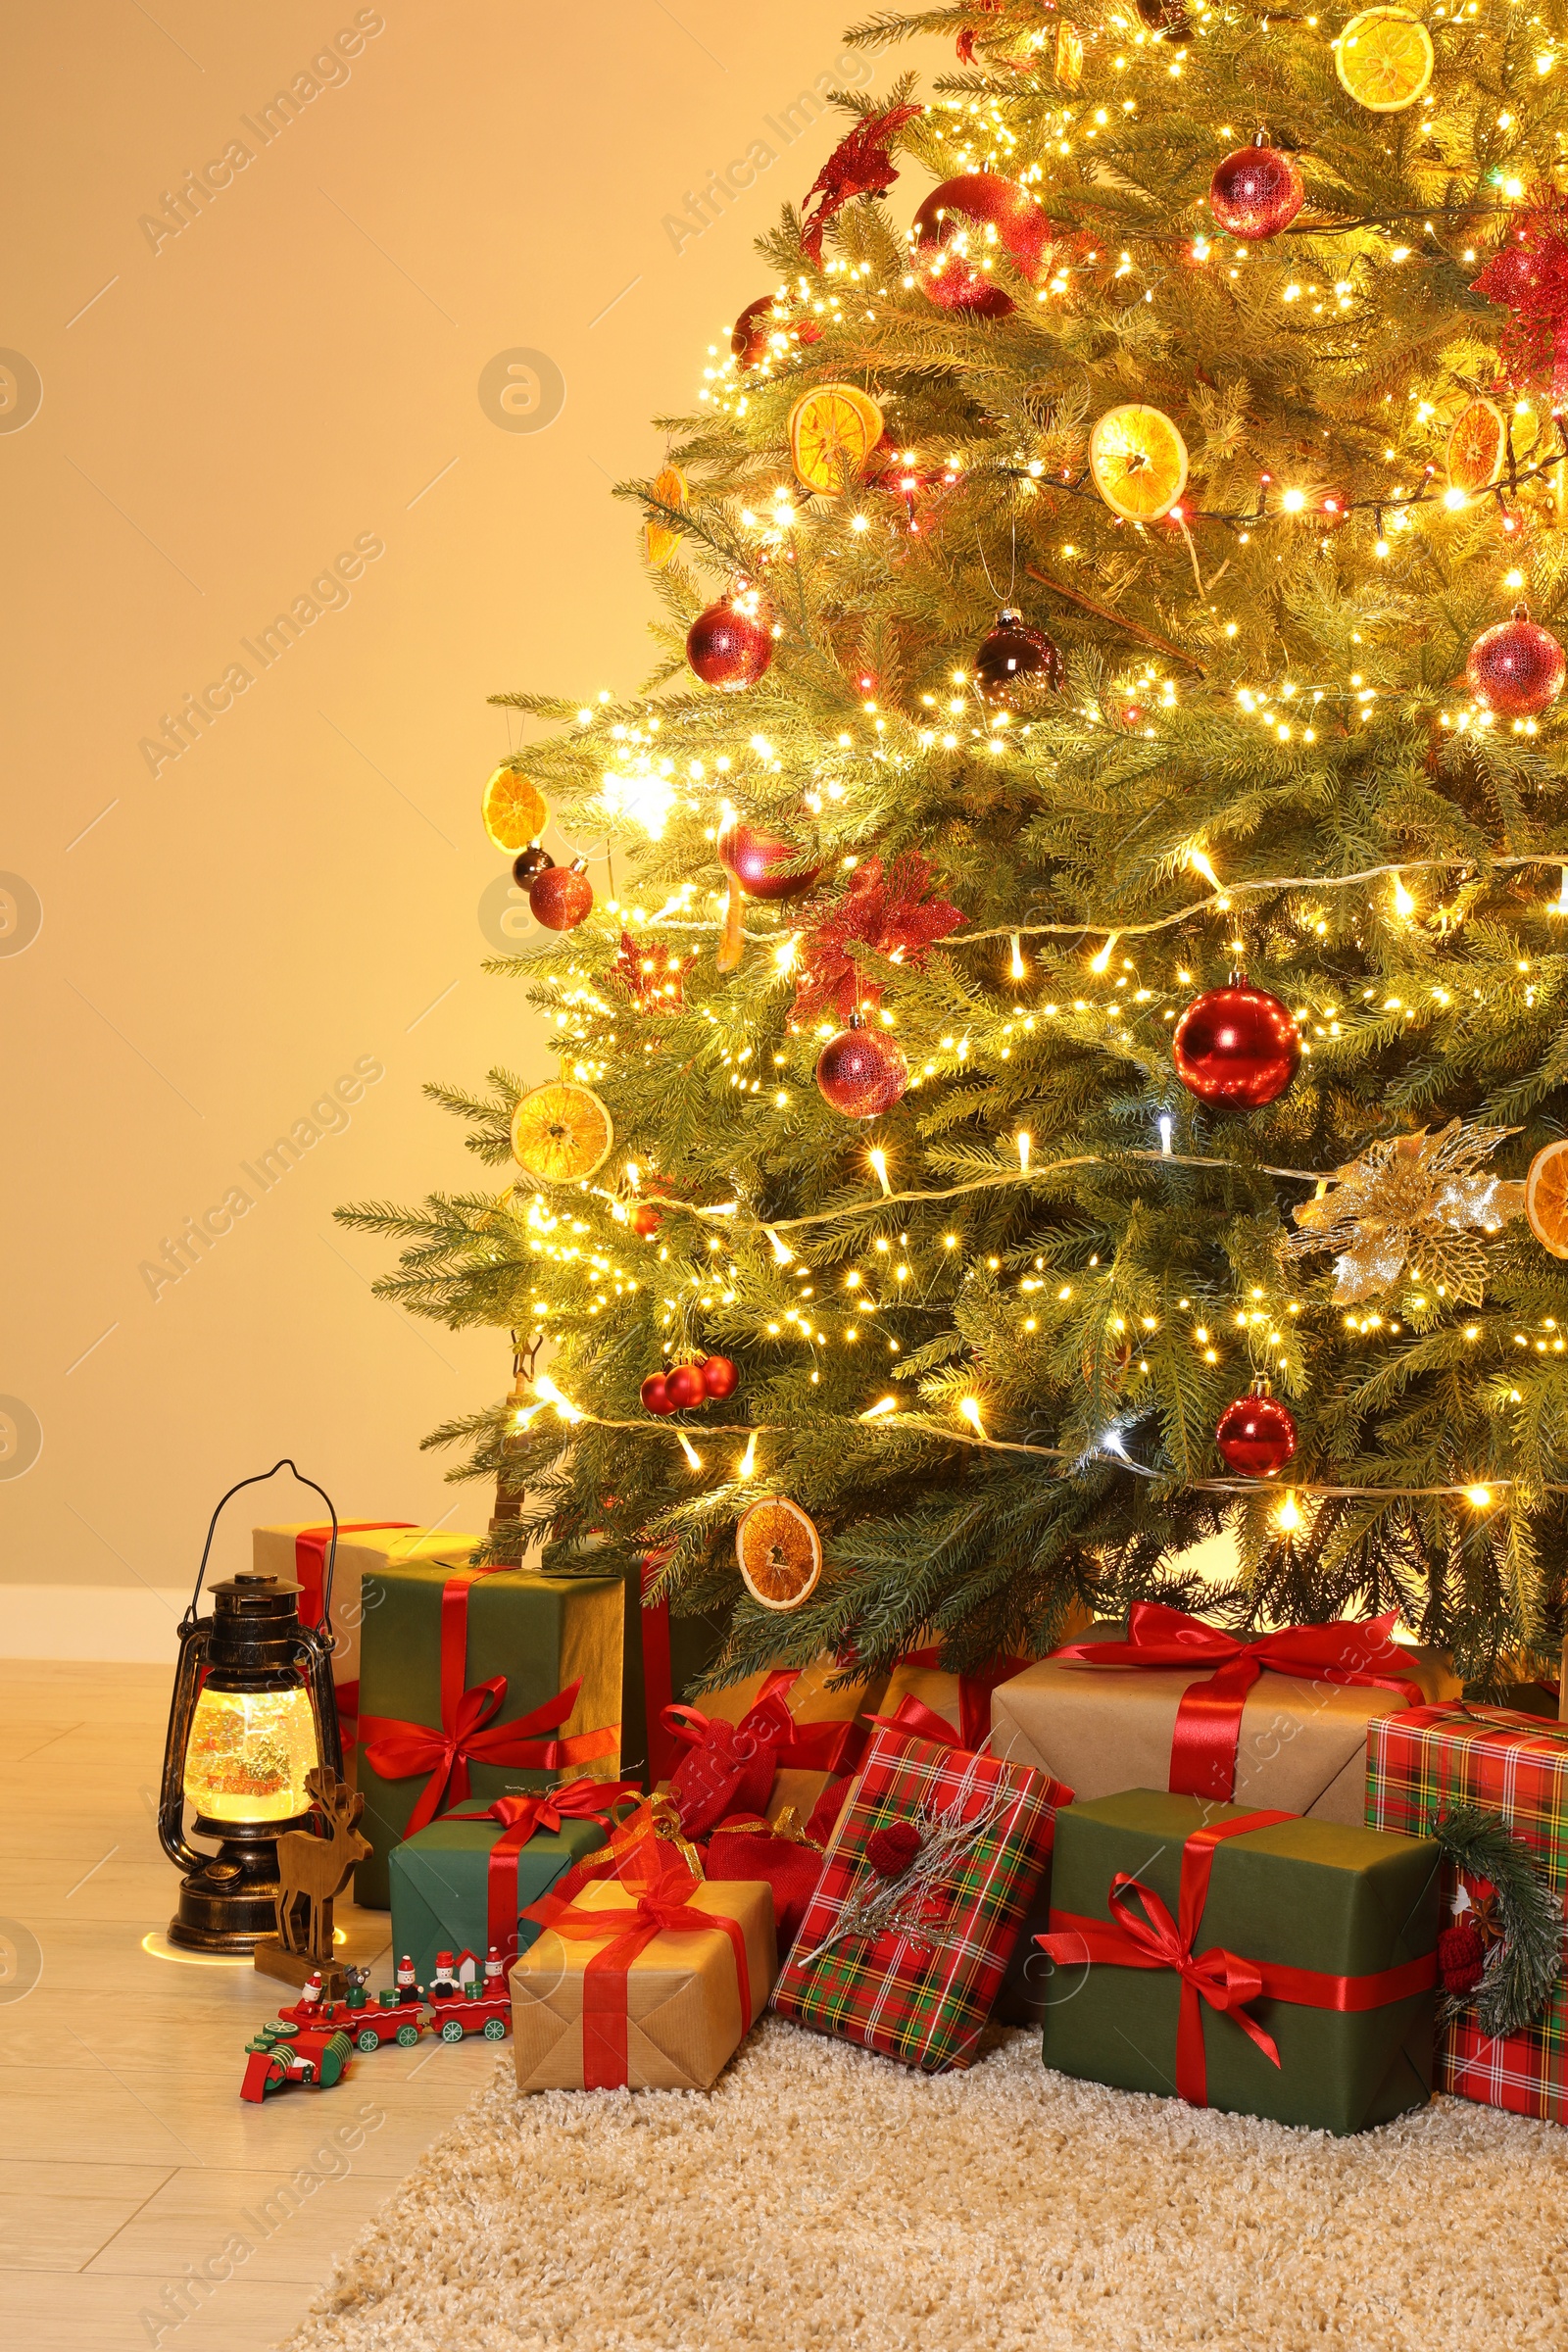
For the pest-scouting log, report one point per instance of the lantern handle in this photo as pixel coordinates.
(260, 1479)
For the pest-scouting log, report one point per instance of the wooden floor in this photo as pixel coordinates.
(141, 2200)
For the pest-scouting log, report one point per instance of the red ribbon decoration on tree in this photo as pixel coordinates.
(890, 915)
(967, 38)
(523, 1817)
(1222, 1979)
(1209, 1721)
(309, 1566)
(1527, 274)
(858, 166)
(468, 1732)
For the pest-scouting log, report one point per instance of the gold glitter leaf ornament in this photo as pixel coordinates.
(1416, 1203)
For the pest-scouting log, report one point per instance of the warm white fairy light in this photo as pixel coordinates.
(546, 1390)
(969, 1407)
(879, 1162)
(880, 1410)
(1289, 1515)
(746, 1467)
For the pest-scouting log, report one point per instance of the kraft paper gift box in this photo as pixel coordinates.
(479, 1683)
(1308, 1940)
(298, 1551)
(1293, 1739)
(648, 1986)
(1514, 1765)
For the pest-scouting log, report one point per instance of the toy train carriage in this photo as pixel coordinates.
(485, 2011)
(395, 2013)
(283, 2054)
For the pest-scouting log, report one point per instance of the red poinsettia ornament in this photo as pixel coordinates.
(1527, 274)
(861, 165)
(650, 972)
(889, 913)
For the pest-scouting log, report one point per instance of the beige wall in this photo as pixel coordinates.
(225, 411)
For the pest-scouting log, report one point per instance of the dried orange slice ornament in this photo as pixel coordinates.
(1546, 1199)
(513, 810)
(661, 538)
(1138, 462)
(560, 1132)
(780, 1553)
(1476, 446)
(1384, 59)
(833, 431)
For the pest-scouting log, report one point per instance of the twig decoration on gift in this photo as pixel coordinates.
(1510, 1977)
(898, 1906)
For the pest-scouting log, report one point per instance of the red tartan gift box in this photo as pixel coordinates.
(928, 1876)
(1431, 1758)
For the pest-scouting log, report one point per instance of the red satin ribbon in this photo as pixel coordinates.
(468, 1732)
(310, 1559)
(663, 1908)
(816, 1746)
(1209, 1721)
(1224, 1980)
(523, 1817)
(974, 1702)
(659, 1679)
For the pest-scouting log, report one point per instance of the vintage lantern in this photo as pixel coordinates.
(253, 1712)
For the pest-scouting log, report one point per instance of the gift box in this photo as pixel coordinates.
(298, 1551)
(463, 1882)
(1244, 1959)
(1514, 1765)
(1277, 1720)
(777, 1739)
(479, 1682)
(926, 1884)
(646, 1984)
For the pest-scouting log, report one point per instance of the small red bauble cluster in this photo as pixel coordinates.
(560, 896)
(977, 201)
(686, 1385)
(861, 1073)
(1256, 193)
(765, 865)
(1516, 668)
(1256, 1434)
(728, 649)
(1237, 1048)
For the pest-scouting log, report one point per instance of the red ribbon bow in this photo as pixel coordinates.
(523, 1817)
(1224, 1980)
(729, 1768)
(858, 166)
(663, 1907)
(1209, 1721)
(913, 1716)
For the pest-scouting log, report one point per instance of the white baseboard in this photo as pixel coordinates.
(132, 1625)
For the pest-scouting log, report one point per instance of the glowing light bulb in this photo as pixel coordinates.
(1478, 1497)
(969, 1407)
(1288, 1514)
(1017, 958)
(1102, 961)
(1197, 859)
(1403, 903)
(747, 1465)
(781, 1255)
(545, 1389)
(879, 1162)
(693, 1457)
(880, 1410)
(1025, 1145)
(1165, 1124)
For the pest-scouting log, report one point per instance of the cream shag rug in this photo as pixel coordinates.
(824, 2200)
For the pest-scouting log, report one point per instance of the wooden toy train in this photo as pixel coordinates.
(312, 2040)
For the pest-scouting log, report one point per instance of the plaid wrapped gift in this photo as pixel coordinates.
(920, 1987)
(1516, 1765)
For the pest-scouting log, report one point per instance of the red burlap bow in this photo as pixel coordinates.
(468, 1732)
(1209, 1721)
(523, 1817)
(661, 1905)
(729, 1767)
(1222, 1979)
(861, 165)
(1527, 274)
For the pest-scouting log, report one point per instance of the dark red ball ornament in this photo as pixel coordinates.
(720, 1377)
(528, 863)
(646, 1221)
(1014, 659)
(1516, 668)
(1256, 1434)
(765, 864)
(1256, 193)
(560, 896)
(684, 1387)
(749, 341)
(655, 1393)
(966, 208)
(862, 1072)
(729, 648)
(1237, 1048)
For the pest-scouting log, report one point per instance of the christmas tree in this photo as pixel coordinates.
(1076, 1059)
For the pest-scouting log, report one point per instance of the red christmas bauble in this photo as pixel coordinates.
(720, 1377)
(684, 1387)
(1516, 668)
(560, 896)
(1256, 1434)
(1237, 1048)
(749, 341)
(960, 212)
(728, 649)
(528, 863)
(646, 1221)
(862, 1072)
(765, 864)
(655, 1393)
(1256, 192)
(1013, 659)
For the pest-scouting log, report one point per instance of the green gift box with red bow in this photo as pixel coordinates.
(479, 1683)
(1243, 1959)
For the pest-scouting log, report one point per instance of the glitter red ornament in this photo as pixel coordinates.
(1014, 659)
(765, 865)
(861, 1073)
(684, 1387)
(560, 896)
(1256, 192)
(1516, 668)
(972, 203)
(655, 1393)
(720, 1377)
(728, 649)
(1256, 1434)
(1237, 1048)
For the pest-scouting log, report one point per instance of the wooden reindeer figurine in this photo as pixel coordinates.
(313, 1871)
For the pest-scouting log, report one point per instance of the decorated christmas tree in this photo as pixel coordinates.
(1076, 1059)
